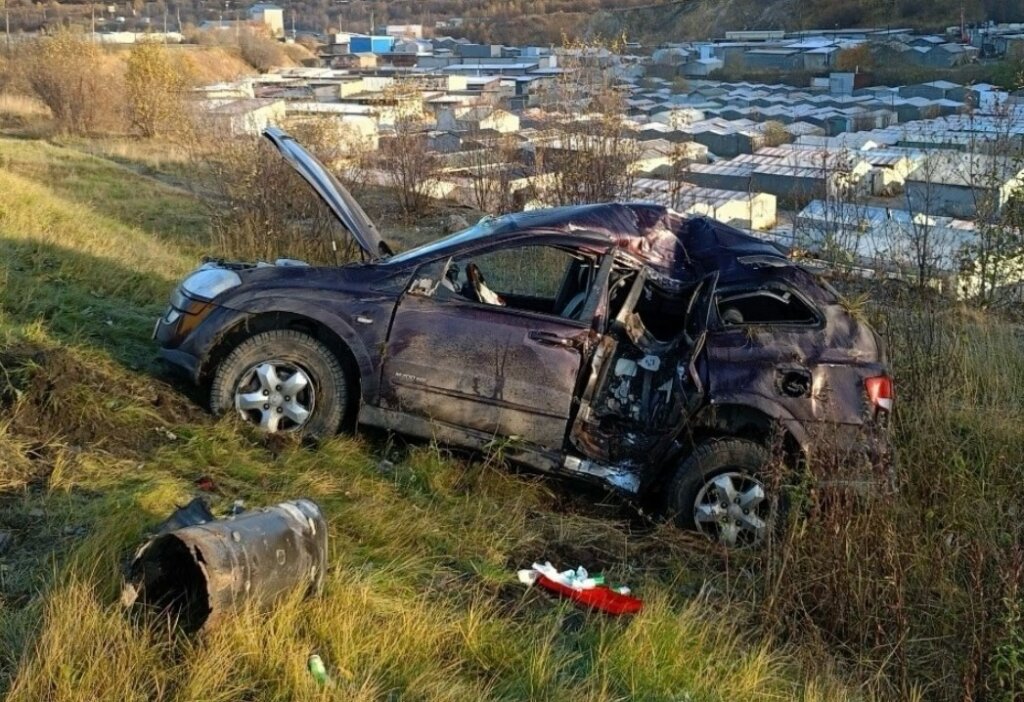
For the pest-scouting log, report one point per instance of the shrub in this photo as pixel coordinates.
(153, 90)
(68, 73)
(261, 208)
(261, 52)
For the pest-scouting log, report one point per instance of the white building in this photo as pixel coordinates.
(238, 117)
(270, 15)
(957, 184)
(404, 31)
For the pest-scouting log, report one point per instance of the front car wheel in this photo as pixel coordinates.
(282, 381)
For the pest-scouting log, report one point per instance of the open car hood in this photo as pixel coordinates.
(332, 192)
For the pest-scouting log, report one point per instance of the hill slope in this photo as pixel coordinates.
(420, 601)
(702, 19)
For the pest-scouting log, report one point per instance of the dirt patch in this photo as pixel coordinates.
(53, 396)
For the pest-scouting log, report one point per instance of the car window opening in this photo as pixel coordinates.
(765, 307)
(543, 279)
(663, 314)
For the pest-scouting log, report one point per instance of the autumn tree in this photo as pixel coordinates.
(494, 165)
(67, 73)
(153, 90)
(261, 51)
(857, 59)
(775, 134)
(588, 150)
(408, 163)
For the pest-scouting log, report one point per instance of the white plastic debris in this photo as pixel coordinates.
(578, 579)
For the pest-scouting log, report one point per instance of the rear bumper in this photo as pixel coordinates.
(853, 458)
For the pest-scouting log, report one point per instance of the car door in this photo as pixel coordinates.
(640, 390)
(766, 347)
(505, 370)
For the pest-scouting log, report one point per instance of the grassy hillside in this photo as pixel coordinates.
(420, 601)
(913, 594)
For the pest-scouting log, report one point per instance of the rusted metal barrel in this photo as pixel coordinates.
(200, 573)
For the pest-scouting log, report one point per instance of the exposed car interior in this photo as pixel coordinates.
(542, 279)
(764, 306)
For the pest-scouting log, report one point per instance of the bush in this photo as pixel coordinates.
(261, 208)
(70, 75)
(153, 90)
(261, 52)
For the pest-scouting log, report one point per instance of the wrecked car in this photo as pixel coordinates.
(618, 343)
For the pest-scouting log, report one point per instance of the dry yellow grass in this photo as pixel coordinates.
(420, 601)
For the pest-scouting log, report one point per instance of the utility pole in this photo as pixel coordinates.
(963, 24)
(7, 25)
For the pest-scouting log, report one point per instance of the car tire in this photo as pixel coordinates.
(715, 492)
(272, 364)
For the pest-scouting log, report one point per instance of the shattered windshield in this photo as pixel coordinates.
(481, 229)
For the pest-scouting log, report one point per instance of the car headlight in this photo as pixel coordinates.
(206, 284)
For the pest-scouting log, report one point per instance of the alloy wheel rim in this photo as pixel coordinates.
(732, 509)
(276, 396)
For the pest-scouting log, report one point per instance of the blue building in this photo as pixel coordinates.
(371, 44)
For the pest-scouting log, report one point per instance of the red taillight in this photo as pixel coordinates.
(880, 392)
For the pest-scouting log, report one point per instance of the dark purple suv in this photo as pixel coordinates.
(622, 344)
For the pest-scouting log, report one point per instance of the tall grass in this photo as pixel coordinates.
(421, 600)
(919, 589)
(908, 594)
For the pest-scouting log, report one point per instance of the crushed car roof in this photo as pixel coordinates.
(684, 248)
(678, 247)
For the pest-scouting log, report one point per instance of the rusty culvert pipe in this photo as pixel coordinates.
(198, 574)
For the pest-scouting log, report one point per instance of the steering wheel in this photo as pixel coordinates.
(480, 290)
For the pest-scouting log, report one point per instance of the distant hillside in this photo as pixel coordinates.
(545, 22)
(668, 20)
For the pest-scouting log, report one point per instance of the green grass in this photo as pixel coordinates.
(911, 595)
(420, 601)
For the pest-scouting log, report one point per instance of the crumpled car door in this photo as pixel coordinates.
(640, 391)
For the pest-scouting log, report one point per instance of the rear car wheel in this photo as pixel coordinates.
(720, 492)
(282, 381)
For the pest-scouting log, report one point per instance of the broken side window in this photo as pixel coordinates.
(544, 279)
(765, 306)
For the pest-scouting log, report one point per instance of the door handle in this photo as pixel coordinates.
(551, 339)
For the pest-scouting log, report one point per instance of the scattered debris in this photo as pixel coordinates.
(166, 433)
(386, 467)
(318, 670)
(579, 586)
(206, 484)
(198, 569)
(194, 513)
